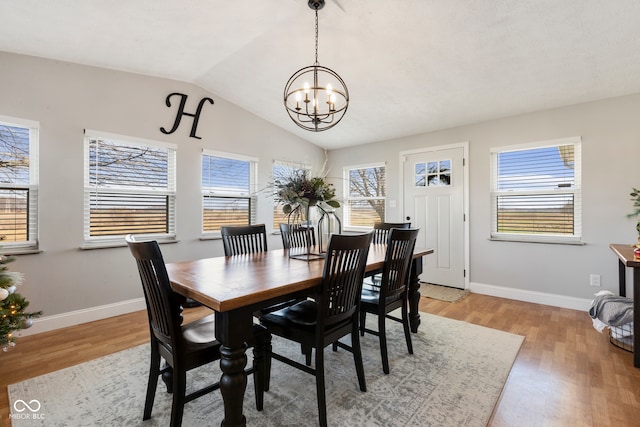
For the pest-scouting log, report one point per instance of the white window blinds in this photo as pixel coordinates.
(536, 191)
(18, 184)
(365, 195)
(129, 188)
(227, 190)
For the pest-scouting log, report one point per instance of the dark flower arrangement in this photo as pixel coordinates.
(297, 188)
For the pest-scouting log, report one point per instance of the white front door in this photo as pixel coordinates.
(434, 189)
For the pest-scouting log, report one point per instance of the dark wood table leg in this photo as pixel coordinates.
(233, 330)
(636, 317)
(414, 294)
(622, 279)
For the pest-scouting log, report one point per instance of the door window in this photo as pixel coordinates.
(433, 174)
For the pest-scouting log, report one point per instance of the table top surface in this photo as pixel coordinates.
(625, 254)
(227, 283)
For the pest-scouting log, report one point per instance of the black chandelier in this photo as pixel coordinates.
(316, 97)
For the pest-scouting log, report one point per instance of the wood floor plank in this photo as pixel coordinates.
(566, 373)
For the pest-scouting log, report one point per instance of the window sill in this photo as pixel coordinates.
(122, 243)
(550, 241)
(21, 251)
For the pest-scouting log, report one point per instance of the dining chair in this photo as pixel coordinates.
(182, 346)
(393, 292)
(381, 230)
(297, 236)
(248, 239)
(380, 234)
(329, 316)
(244, 239)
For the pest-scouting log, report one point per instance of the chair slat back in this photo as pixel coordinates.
(244, 239)
(381, 230)
(342, 277)
(297, 236)
(397, 263)
(163, 304)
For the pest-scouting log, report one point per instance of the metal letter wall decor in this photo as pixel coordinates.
(181, 112)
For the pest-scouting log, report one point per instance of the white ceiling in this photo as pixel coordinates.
(411, 66)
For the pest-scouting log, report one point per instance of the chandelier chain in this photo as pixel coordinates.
(316, 63)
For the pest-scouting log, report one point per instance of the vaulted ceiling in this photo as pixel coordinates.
(411, 66)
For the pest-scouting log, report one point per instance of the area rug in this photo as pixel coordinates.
(454, 378)
(442, 293)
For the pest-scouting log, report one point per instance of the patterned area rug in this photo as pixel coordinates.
(442, 293)
(454, 379)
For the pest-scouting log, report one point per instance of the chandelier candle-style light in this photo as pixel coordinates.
(316, 97)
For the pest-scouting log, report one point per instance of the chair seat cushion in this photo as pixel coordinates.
(201, 332)
(304, 313)
(370, 297)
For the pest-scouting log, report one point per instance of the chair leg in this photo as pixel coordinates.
(407, 331)
(382, 334)
(357, 357)
(307, 355)
(267, 360)
(179, 391)
(363, 319)
(152, 384)
(322, 399)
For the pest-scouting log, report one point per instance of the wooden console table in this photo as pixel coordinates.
(627, 259)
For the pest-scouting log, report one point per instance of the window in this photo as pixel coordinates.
(433, 174)
(228, 190)
(18, 185)
(129, 188)
(283, 170)
(535, 192)
(365, 191)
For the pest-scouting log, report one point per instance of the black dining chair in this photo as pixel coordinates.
(244, 239)
(393, 291)
(380, 233)
(381, 230)
(182, 346)
(297, 236)
(248, 239)
(331, 315)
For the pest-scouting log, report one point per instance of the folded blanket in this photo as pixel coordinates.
(611, 309)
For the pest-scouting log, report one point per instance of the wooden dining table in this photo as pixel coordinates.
(237, 286)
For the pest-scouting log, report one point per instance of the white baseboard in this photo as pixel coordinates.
(563, 301)
(72, 318)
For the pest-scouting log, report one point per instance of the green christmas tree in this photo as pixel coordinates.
(12, 305)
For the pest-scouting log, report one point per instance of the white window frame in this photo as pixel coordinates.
(575, 190)
(346, 195)
(92, 242)
(31, 245)
(293, 166)
(251, 194)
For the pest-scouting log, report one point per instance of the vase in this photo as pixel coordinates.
(328, 224)
(305, 217)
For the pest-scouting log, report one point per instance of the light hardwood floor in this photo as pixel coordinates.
(566, 374)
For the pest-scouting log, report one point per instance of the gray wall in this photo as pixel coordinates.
(610, 131)
(66, 99)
